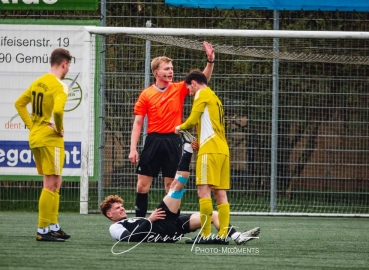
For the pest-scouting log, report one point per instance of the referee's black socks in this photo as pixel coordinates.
(141, 204)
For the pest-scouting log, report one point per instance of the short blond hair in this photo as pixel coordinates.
(155, 63)
(107, 203)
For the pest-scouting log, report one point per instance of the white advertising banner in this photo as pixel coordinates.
(24, 56)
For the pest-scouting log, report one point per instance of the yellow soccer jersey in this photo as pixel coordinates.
(207, 112)
(48, 96)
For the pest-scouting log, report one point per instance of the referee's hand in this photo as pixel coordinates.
(133, 156)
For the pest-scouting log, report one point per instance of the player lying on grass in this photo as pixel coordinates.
(165, 224)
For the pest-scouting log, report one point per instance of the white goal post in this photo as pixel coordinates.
(304, 173)
(225, 32)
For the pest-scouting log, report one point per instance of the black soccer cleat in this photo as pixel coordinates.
(200, 241)
(221, 241)
(60, 234)
(48, 237)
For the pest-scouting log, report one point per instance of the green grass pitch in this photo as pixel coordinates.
(284, 243)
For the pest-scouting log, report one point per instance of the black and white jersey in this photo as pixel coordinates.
(130, 229)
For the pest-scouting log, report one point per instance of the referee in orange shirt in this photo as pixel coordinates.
(162, 102)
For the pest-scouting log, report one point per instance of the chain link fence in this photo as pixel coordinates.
(323, 136)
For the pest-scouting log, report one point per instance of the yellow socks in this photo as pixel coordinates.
(45, 207)
(224, 218)
(55, 210)
(206, 212)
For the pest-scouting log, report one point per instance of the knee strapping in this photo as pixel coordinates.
(176, 194)
(181, 179)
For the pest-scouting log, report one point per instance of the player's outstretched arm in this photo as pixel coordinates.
(210, 54)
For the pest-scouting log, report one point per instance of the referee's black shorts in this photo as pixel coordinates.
(160, 152)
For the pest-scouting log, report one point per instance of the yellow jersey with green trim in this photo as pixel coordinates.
(47, 96)
(207, 112)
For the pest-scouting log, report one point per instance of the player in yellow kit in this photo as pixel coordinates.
(48, 95)
(213, 165)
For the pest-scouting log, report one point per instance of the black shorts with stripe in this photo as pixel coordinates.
(160, 152)
(172, 227)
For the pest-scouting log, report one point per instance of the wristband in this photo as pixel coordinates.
(211, 62)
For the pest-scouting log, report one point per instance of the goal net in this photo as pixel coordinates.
(296, 106)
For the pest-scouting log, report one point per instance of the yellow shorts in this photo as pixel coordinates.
(49, 160)
(213, 170)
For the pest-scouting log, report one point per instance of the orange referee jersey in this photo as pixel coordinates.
(163, 107)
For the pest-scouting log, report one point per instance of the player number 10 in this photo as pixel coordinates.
(37, 99)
